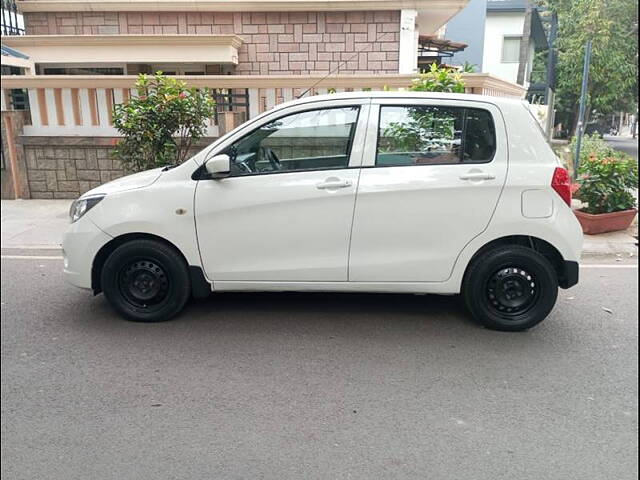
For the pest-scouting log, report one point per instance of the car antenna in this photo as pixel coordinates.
(331, 72)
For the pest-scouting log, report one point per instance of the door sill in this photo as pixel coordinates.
(373, 287)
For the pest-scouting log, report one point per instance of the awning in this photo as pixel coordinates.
(127, 48)
(13, 58)
(435, 44)
(10, 52)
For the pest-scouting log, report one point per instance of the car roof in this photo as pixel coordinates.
(403, 94)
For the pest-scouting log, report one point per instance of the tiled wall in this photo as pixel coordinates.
(276, 43)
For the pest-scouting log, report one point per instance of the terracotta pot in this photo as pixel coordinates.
(605, 222)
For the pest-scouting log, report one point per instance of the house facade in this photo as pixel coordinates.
(84, 57)
(257, 37)
(468, 26)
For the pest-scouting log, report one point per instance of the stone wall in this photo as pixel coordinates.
(276, 43)
(66, 167)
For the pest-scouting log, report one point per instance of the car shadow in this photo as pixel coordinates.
(300, 308)
(354, 303)
(271, 320)
(327, 308)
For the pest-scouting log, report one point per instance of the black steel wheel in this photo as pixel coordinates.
(510, 288)
(146, 280)
(143, 283)
(511, 291)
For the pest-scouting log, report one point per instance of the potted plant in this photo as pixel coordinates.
(606, 179)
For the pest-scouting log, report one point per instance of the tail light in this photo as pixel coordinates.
(561, 183)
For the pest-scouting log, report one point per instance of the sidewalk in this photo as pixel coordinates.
(34, 223)
(40, 224)
(613, 243)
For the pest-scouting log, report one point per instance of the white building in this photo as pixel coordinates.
(495, 45)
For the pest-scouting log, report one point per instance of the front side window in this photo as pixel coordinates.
(434, 135)
(311, 140)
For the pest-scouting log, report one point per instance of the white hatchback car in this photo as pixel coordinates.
(359, 192)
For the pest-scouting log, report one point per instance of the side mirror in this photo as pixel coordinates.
(219, 166)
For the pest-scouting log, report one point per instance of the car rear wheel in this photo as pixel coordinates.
(146, 281)
(511, 288)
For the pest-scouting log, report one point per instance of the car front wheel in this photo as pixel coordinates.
(510, 288)
(146, 280)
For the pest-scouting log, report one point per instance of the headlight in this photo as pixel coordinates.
(82, 205)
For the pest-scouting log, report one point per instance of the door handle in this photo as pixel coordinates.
(477, 176)
(334, 184)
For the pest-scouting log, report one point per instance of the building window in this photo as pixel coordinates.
(511, 49)
(82, 70)
(179, 69)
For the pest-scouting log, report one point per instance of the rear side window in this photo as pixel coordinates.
(434, 135)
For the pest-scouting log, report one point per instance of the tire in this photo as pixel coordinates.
(511, 288)
(146, 281)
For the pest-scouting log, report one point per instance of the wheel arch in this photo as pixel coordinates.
(543, 247)
(200, 287)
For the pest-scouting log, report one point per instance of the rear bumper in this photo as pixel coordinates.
(570, 274)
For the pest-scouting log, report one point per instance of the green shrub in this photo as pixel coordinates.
(439, 79)
(160, 125)
(592, 145)
(606, 177)
(469, 67)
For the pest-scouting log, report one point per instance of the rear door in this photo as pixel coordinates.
(433, 172)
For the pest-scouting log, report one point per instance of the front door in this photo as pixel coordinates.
(285, 212)
(435, 171)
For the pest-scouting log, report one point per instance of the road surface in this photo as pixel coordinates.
(315, 386)
(624, 144)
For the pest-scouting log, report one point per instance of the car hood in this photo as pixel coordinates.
(130, 182)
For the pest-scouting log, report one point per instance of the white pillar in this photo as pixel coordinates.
(408, 41)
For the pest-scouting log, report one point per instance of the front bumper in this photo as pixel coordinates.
(80, 244)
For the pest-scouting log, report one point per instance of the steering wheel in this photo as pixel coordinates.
(243, 167)
(239, 166)
(267, 154)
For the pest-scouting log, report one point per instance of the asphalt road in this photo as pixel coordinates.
(624, 144)
(322, 386)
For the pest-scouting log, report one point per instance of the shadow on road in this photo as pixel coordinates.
(328, 303)
(299, 308)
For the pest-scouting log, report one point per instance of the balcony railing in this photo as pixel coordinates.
(74, 105)
(11, 21)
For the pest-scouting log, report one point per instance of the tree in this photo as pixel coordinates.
(439, 79)
(161, 123)
(425, 128)
(613, 81)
